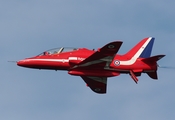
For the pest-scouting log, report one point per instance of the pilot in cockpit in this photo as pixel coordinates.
(46, 53)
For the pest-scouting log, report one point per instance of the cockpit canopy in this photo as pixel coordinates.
(57, 51)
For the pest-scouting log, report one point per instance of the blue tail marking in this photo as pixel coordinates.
(147, 51)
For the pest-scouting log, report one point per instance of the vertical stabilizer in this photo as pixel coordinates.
(143, 49)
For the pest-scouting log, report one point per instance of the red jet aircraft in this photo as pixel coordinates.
(95, 66)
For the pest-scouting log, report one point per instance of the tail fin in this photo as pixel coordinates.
(142, 49)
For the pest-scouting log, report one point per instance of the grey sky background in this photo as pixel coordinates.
(27, 28)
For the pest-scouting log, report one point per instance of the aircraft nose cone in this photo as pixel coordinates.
(21, 63)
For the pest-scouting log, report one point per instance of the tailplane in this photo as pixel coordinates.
(153, 60)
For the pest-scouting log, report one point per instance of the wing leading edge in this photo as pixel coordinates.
(106, 53)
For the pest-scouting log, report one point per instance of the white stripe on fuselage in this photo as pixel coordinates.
(139, 52)
(54, 60)
(49, 60)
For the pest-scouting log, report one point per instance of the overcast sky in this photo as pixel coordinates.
(27, 28)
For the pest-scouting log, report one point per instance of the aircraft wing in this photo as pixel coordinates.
(104, 54)
(97, 84)
(99, 60)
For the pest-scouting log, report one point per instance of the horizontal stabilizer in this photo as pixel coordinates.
(153, 58)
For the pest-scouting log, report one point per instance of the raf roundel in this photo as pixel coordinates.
(117, 63)
(111, 46)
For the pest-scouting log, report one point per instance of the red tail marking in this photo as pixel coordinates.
(134, 50)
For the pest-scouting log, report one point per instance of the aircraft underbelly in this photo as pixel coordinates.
(97, 73)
